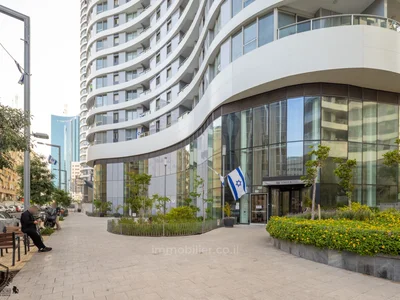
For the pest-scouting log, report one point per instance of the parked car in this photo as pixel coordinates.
(11, 208)
(2, 208)
(18, 208)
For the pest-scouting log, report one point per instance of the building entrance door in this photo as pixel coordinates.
(259, 208)
(284, 200)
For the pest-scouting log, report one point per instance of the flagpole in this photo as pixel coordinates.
(223, 175)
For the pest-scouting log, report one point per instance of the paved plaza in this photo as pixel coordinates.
(87, 262)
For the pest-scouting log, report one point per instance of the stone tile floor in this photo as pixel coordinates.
(87, 262)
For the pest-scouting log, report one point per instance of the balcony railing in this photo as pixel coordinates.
(338, 20)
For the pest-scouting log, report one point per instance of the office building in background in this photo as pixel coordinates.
(65, 133)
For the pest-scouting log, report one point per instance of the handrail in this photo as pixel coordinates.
(389, 23)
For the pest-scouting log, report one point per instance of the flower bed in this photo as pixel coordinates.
(381, 234)
(126, 227)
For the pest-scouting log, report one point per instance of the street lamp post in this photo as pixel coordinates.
(165, 183)
(59, 160)
(27, 94)
(65, 178)
(223, 175)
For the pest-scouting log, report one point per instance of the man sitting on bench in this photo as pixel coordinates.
(28, 225)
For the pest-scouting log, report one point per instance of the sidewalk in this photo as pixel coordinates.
(87, 262)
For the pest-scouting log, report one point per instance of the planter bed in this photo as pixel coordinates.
(382, 266)
(159, 229)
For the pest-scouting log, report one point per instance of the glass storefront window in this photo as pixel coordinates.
(334, 118)
(260, 126)
(277, 160)
(295, 159)
(369, 122)
(312, 118)
(246, 139)
(260, 164)
(295, 116)
(387, 175)
(356, 152)
(277, 118)
(355, 121)
(232, 124)
(388, 123)
(369, 164)
(337, 150)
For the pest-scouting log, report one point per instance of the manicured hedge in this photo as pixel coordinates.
(380, 235)
(126, 227)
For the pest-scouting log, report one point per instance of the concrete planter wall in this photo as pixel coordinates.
(382, 266)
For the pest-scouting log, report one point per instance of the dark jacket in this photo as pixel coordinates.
(27, 220)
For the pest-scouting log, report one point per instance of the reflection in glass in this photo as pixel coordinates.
(295, 159)
(277, 160)
(355, 121)
(387, 175)
(260, 125)
(260, 164)
(388, 123)
(337, 150)
(277, 122)
(295, 116)
(386, 194)
(266, 29)
(369, 164)
(246, 128)
(369, 122)
(232, 125)
(237, 45)
(334, 118)
(355, 152)
(369, 195)
(312, 116)
(250, 37)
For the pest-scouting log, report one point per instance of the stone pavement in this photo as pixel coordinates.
(87, 262)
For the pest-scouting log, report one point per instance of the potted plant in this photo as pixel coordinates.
(117, 214)
(228, 220)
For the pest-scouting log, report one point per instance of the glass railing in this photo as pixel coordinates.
(338, 20)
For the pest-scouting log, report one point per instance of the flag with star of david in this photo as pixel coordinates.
(237, 183)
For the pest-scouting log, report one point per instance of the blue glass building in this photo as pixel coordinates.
(64, 132)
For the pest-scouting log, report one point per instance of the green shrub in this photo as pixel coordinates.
(181, 214)
(381, 235)
(47, 231)
(61, 218)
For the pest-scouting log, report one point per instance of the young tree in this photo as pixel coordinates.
(344, 171)
(391, 158)
(318, 157)
(12, 138)
(138, 186)
(62, 198)
(161, 203)
(42, 187)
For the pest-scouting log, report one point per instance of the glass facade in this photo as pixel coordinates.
(269, 137)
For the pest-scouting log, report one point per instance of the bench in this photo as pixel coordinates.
(8, 241)
(19, 233)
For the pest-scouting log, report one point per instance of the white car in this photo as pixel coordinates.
(2, 208)
(11, 208)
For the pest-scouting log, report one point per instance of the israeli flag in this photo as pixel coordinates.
(51, 160)
(237, 183)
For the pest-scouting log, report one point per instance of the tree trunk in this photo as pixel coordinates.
(313, 199)
(349, 199)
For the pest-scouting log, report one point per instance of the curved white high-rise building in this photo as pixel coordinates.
(167, 84)
(85, 169)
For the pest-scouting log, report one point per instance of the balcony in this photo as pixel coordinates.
(338, 20)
